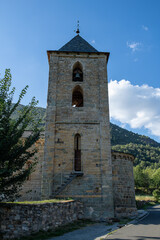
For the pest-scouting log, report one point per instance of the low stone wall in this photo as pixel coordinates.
(17, 220)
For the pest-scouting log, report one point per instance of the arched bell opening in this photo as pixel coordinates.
(77, 75)
(77, 153)
(77, 97)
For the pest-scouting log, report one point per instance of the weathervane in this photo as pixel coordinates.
(78, 28)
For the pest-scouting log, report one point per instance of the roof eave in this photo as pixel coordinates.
(57, 51)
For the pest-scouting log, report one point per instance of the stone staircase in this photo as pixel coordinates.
(67, 181)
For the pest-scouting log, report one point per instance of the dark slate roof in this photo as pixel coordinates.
(77, 44)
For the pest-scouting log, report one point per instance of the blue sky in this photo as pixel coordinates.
(128, 29)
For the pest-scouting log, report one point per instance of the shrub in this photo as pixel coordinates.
(156, 194)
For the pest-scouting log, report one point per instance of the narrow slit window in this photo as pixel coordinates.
(77, 152)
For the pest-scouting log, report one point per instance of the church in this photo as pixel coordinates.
(75, 158)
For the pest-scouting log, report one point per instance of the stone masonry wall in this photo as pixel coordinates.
(123, 184)
(91, 122)
(19, 220)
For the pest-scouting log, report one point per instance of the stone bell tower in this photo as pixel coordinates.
(77, 155)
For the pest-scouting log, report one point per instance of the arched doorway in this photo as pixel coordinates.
(77, 152)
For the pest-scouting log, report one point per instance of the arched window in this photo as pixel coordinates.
(77, 152)
(77, 97)
(77, 72)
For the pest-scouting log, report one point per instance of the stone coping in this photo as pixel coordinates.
(123, 155)
(37, 203)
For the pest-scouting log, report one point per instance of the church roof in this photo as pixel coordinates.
(78, 44)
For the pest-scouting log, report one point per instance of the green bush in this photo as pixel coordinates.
(156, 194)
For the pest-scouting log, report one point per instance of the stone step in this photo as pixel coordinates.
(64, 184)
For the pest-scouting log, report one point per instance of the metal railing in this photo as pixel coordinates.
(62, 172)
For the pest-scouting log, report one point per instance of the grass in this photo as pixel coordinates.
(42, 235)
(110, 233)
(144, 201)
(124, 221)
(149, 204)
(145, 198)
(43, 201)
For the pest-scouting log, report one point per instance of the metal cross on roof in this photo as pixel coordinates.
(78, 28)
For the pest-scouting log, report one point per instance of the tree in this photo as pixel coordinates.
(156, 194)
(15, 151)
(140, 177)
(156, 178)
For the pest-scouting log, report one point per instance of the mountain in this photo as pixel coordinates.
(145, 149)
(41, 114)
(122, 136)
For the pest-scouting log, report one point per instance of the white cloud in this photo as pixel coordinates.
(138, 106)
(145, 28)
(93, 41)
(134, 46)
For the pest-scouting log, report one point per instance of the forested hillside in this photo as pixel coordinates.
(145, 149)
(122, 136)
(41, 114)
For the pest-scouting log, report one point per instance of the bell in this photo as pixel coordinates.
(77, 76)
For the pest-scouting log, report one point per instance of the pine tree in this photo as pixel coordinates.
(15, 151)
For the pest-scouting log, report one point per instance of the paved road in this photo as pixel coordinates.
(146, 229)
(93, 232)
